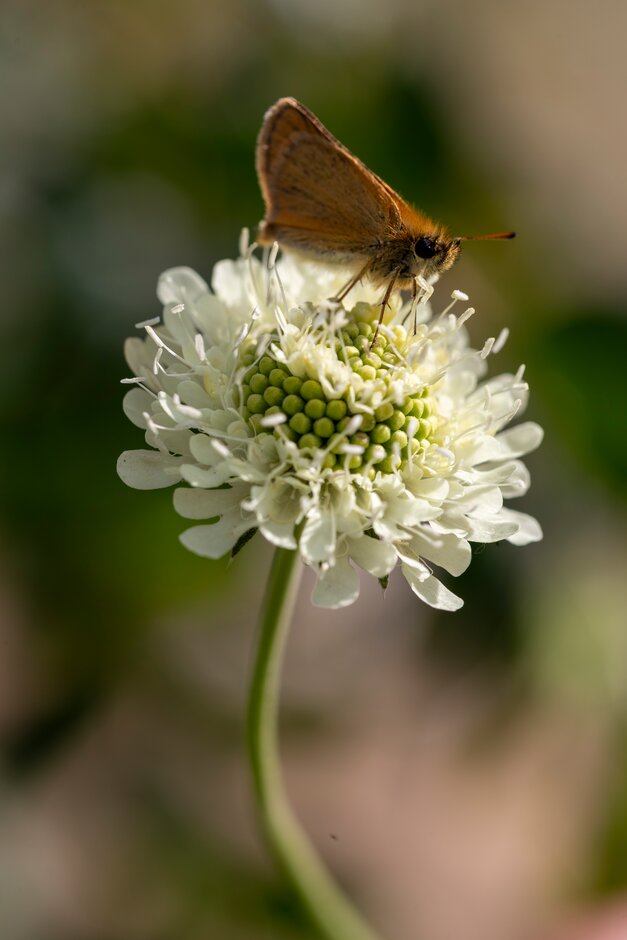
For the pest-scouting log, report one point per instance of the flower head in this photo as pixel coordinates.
(285, 412)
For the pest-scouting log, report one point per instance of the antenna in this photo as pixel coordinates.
(482, 238)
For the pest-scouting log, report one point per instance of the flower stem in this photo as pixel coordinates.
(328, 909)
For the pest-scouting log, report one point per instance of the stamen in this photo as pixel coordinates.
(244, 239)
(199, 345)
(500, 340)
(220, 448)
(487, 348)
(273, 421)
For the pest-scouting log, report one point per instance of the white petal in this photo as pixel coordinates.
(480, 499)
(448, 551)
(432, 591)
(215, 540)
(518, 483)
(177, 442)
(180, 286)
(529, 529)
(135, 403)
(280, 534)
(209, 478)
(490, 530)
(148, 469)
(481, 450)
(373, 555)
(434, 488)
(337, 587)
(521, 439)
(193, 503)
(230, 280)
(203, 449)
(317, 541)
(139, 354)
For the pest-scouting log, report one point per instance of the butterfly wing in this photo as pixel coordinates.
(319, 197)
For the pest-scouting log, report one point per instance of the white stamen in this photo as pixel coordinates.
(220, 448)
(189, 411)
(244, 239)
(466, 315)
(144, 323)
(487, 348)
(274, 251)
(352, 449)
(353, 425)
(272, 421)
(459, 295)
(199, 346)
(177, 309)
(445, 452)
(500, 340)
(156, 362)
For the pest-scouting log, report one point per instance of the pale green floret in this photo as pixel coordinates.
(293, 404)
(255, 404)
(310, 440)
(380, 434)
(324, 427)
(292, 385)
(315, 408)
(258, 383)
(300, 423)
(318, 423)
(311, 389)
(336, 409)
(274, 395)
(277, 377)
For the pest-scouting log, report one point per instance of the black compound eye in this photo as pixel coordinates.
(425, 247)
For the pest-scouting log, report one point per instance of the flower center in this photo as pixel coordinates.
(367, 426)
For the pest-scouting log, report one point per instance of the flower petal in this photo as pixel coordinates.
(337, 586)
(374, 556)
(194, 503)
(135, 404)
(317, 540)
(432, 591)
(521, 439)
(216, 539)
(447, 551)
(180, 286)
(148, 469)
(280, 534)
(529, 529)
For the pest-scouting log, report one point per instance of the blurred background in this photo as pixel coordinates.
(465, 776)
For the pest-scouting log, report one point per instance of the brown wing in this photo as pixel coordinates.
(319, 197)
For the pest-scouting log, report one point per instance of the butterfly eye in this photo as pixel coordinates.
(425, 247)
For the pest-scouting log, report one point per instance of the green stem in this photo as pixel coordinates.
(328, 909)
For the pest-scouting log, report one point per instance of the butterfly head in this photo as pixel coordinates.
(434, 254)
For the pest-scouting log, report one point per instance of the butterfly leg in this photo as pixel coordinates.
(384, 304)
(352, 282)
(414, 302)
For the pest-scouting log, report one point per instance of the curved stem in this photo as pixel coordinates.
(328, 909)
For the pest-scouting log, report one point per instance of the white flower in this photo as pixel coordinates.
(277, 411)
